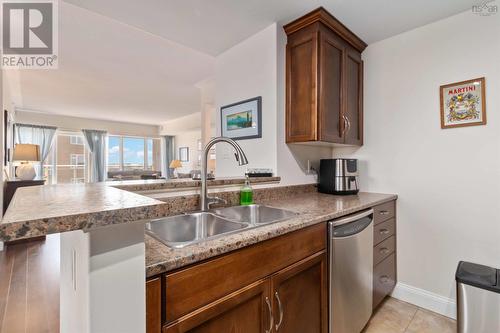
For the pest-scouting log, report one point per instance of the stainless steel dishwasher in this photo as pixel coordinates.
(350, 272)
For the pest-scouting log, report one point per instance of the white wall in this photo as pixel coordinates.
(256, 67)
(187, 132)
(187, 123)
(75, 123)
(188, 139)
(447, 180)
(245, 71)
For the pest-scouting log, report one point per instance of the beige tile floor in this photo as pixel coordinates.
(394, 316)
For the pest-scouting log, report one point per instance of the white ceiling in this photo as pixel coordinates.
(139, 61)
(213, 26)
(109, 70)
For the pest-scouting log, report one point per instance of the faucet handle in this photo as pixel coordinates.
(215, 200)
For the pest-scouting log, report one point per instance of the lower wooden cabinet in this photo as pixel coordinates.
(384, 279)
(384, 251)
(153, 305)
(300, 296)
(293, 300)
(247, 310)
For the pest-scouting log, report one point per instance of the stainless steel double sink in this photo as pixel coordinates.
(183, 230)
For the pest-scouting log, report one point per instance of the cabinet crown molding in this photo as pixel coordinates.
(322, 15)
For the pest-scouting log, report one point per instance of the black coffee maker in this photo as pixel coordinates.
(338, 176)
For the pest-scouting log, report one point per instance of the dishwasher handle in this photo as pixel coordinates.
(351, 225)
(351, 218)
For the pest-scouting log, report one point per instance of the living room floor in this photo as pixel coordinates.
(394, 316)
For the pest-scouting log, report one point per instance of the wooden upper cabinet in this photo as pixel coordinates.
(353, 111)
(301, 117)
(324, 81)
(331, 77)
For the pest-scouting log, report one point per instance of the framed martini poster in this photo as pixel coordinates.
(463, 103)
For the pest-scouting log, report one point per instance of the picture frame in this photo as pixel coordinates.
(242, 120)
(463, 103)
(184, 154)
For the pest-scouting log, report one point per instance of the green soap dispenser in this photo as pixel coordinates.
(246, 193)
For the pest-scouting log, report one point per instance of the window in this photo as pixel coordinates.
(76, 140)
(77, 160)
(133, 153)
(114, 153)
(67, 160)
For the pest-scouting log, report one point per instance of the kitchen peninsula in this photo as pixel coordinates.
(113, 223)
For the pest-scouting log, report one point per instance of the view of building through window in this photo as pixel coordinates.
(67, 160)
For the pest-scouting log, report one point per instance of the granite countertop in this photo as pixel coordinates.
(166, 184)
(41, 210)
(312, 208)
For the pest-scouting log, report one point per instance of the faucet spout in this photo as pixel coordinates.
(239, 155)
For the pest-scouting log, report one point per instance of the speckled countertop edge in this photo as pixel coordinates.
(40, 210)
(163, 184)
(312, 208)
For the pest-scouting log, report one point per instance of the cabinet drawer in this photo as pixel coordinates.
(384, 279)
(383, 231)
(384, 249)
(199, 285)
(384, 212)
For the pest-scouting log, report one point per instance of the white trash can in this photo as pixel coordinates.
(478, 298)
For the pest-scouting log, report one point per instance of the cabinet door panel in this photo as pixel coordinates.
(244, 311)
(384, 279)
(300, 294)
(331, 77)
(354, 98)
(153, 306)
(301, 108)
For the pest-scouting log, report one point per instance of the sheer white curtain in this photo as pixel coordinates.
(96, 142)
(38, 135)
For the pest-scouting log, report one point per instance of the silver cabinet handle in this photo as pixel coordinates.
(345, 125)
(384, 231)
(384, 279)
(384, 212)
(348, 124)
(281, 310)
(384, 250)
(271, 319)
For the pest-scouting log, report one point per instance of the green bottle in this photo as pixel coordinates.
(246, 193)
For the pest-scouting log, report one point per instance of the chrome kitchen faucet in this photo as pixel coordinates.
(205, 200)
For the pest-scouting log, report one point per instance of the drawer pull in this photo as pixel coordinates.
(384, 212)
(384, 279)
(271, 319)
(384, 250)
(384, 231)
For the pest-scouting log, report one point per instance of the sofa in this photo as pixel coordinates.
(134, 175)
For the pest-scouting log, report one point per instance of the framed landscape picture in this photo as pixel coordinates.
(242, 120)
(463, 103)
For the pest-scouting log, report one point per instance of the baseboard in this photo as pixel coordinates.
(426, 299)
